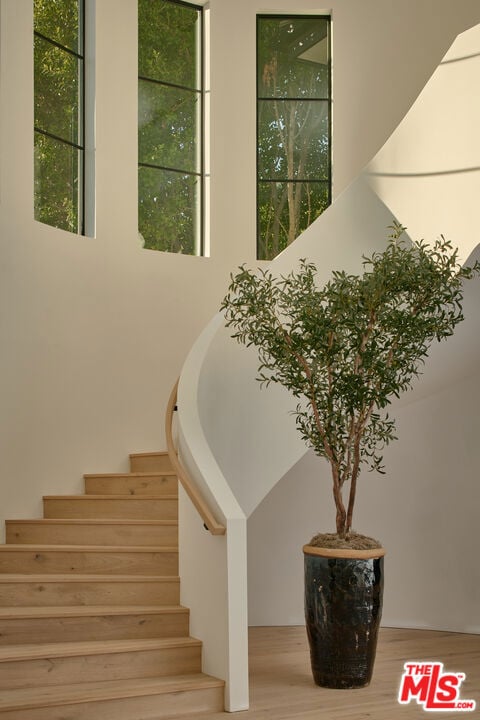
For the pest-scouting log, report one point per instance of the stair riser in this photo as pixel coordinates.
(48, 594)
(150, 463)
(152, 707)
(162, 485)
(43, 533)
(87, 562)
(102, 627)
(134, 508)
(96, 668)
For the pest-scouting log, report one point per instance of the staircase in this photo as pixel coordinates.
(90, 621)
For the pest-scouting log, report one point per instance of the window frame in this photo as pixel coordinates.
(199, 242)
(262, 98)
(80, 56)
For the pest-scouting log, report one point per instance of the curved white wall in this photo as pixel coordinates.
(425, 508)
(254, 443)
(250, 431)
(428, 172)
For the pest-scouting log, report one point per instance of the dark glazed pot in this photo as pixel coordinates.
(343, 607)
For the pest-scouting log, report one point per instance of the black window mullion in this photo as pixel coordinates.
(169, 84)
(65, 48)
(279, 98)
(293, 180)
(58, 138)
(170, 169)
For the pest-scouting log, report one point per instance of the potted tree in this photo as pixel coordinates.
(344, 351)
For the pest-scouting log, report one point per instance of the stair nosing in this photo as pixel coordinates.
(34, 547)
(83, 577)
(94, 521)
(155, 453)
(64, 611)
(125, 496)
(40, 651)
(140, 475)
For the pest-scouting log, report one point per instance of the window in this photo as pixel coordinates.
(293, 127)
(170, 117)
(59, 113)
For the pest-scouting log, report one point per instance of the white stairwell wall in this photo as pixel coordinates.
(94, 331)
(427, 504)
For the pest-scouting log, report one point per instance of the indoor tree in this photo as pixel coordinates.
(346, 349)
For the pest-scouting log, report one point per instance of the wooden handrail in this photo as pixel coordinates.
(192, 491)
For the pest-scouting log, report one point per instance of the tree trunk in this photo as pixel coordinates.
(337, 496)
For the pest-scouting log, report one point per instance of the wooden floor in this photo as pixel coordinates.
(281, 687)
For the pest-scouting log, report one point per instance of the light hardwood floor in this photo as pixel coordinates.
(281, 687)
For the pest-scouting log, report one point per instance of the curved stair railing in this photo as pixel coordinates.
(209, 520)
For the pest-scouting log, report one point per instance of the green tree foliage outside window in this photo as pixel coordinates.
(293, 127)
(58, 110)
(169, 124)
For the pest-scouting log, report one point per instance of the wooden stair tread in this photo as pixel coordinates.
(140, 475)
(79, 659)
(16, 613)
(156, 453)
(53, 578)
(92, 647)
(88, 548)
(96, 521)
(89, 498)
(53, 695)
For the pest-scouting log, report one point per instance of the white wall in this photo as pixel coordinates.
(251, 437)
(94, 330)
(424, 510)
(385, 51)
(431, 155)
(250, 430)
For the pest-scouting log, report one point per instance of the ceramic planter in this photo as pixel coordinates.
(343, 607)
